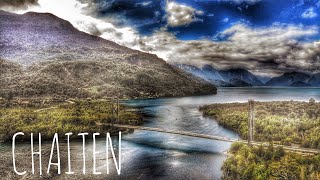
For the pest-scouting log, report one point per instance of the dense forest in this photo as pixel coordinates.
(287, 123)
(246, 163)
(78, 116)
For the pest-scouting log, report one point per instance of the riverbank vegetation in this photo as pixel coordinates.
(73, 116)
(288, 123)
(246, 162)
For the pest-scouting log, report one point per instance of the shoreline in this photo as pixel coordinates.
(234, 115)
(81, 176)
(77, 117)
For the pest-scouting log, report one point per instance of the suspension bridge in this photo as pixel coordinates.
(250, 140)
(214, 137)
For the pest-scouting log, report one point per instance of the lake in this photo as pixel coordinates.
(159, 155)
(153, 155)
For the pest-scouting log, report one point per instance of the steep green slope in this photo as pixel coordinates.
(43, 55)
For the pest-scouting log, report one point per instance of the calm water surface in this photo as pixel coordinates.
(149, 155)
(159, 155)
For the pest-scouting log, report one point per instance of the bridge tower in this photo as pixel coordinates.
(112, 111)
(118, 110)
(250, 121)
(115, 109)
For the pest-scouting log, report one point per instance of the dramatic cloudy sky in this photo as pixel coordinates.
(264, 36)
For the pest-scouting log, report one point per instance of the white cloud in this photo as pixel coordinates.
(225, 20)
(181, 15)
(264, 51)
(79, 14)
(309, 13)
(144, 4)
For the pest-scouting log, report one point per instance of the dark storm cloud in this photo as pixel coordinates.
(267, 50)
(263, 51)
(18, 3)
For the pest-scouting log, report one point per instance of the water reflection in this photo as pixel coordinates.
(196, 157)
(156, 155)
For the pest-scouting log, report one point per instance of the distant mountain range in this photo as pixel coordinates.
(241, 77)
(224, 78)
(295, 79)
(42, 55)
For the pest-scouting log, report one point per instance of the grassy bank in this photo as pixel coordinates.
(282, 122)
(246, 162)
(78, 116)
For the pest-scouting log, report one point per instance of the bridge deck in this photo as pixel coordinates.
(218, 138)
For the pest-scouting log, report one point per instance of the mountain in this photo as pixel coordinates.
(43, 55)
(239, 83)
(315, 80)
(288, 79)
(300, 84)
(242, 75)
(263, 79)
(224, 78)
(207, 73)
